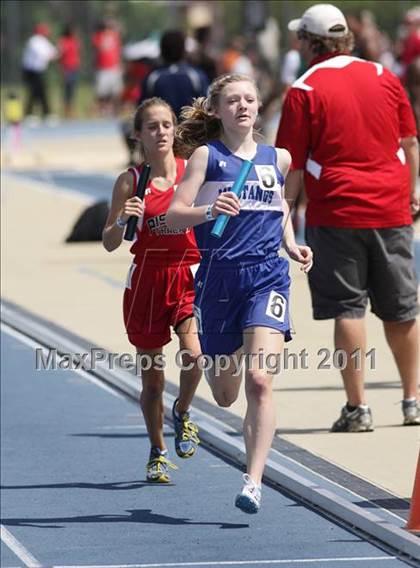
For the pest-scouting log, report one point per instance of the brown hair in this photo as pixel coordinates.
(321, 45)
(145, 105)
(138, 119)
(199, 124)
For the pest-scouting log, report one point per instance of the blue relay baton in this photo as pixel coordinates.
(222, 219)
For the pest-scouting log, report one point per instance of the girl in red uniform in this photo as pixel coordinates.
(160, 288)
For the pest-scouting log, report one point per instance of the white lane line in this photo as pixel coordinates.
(35, 345)
(240, 562)
(17, 548)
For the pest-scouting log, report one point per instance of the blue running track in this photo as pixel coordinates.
(74, 494)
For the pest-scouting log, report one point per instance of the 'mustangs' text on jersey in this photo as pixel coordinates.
(257, 231)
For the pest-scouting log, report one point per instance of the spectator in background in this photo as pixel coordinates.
(201, 57)
(37, 54)
(69, 48)
(412, 84)
(369, 41)
(366, 34)
(134, 73)
(292, 66)
(410, 46)
(176, 82)
(108, 73)
(235, 61)
(351, 132)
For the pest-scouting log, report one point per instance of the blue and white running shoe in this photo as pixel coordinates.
(249, 500)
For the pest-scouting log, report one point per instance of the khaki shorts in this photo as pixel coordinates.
(354, 265)
(108, 83)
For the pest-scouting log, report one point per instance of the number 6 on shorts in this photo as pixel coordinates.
(276, 306)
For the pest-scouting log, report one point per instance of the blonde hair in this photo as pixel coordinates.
(198, 122)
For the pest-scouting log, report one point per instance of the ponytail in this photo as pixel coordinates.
(197, 127)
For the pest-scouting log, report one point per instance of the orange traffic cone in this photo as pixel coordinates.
(414, 518)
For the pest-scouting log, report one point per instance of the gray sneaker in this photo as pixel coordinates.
(358, 420)
(411, 411)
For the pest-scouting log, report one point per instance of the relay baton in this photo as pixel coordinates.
(141, 188)
(222, 219)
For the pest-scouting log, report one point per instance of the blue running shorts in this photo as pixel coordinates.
(230, 297)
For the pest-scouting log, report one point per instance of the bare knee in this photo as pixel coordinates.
(258, 385)
(190, 358)
(152, 389)
(224, 399)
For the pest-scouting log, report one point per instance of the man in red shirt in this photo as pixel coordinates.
(108, 73)
(351, 133)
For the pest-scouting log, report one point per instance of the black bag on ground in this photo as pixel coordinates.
(90, 224)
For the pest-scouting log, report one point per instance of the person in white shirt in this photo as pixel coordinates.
(37, 54)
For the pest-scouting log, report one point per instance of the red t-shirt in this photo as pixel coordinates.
(155, 243)
(341, 122)
(411, 48)
(69, 47)
(108, 48)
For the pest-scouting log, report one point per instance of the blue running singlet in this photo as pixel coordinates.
(257, 230)
(242, 282)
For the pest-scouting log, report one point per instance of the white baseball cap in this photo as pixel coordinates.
(321, 19)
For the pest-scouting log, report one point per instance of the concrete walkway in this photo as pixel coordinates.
(79, 287)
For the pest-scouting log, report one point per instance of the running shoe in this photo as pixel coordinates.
(411, 411)
(158, 466)
(186, 433)
(249, 499)
(358, 420)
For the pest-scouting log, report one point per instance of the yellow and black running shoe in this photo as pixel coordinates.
(158, 466)
(186, 433)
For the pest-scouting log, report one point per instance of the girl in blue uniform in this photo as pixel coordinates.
(242, 285)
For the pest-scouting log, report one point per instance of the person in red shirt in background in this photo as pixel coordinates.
(69, 48)
(108, 73)
(351, 132)
(410, 48)
(134, 73)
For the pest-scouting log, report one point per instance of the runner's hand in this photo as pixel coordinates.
(133, 206)
(227, 203)
(301, 254)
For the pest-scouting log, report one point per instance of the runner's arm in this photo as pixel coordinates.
(299, 253)
(181, 213)
(123, 206)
